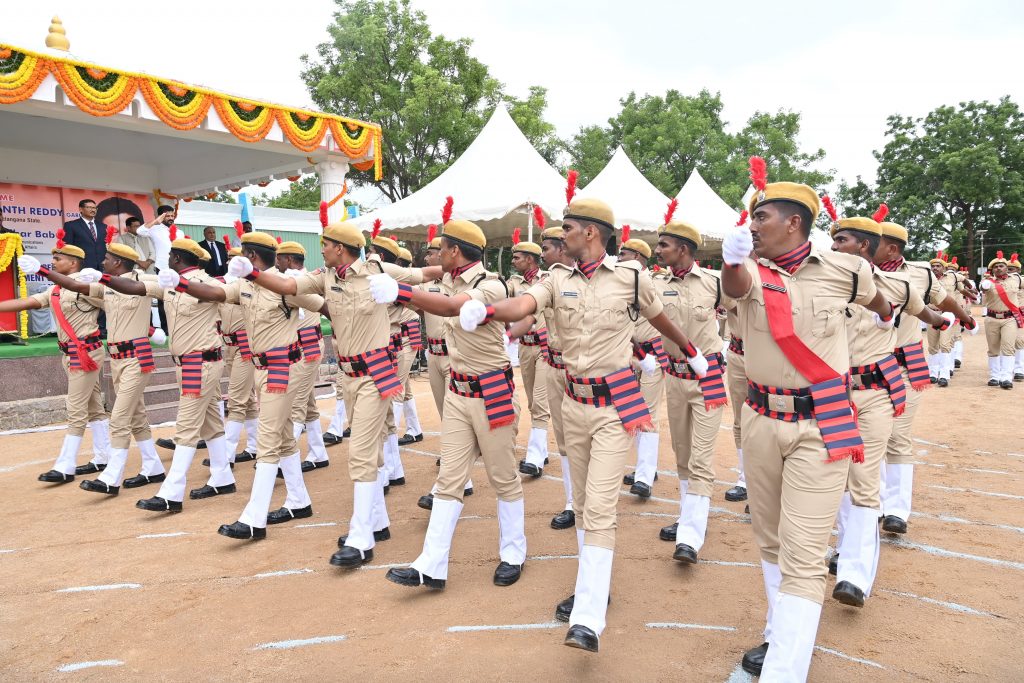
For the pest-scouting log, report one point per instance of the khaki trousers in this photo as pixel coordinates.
(1001, 336)
(597, 446)
(304, 407)
(736, 383)
(900, 448)
(199, 417)
(465, 434)
(241, 404)
(128, 414)
(794, 497)
(534, 369)
(84, 402)
(274, 436)
(366, 413)
(694, 430)
(940, 342)
(409, 359)
(438, 369)
(556, 397)
(875, 421)
(653, 389)
(404, 364)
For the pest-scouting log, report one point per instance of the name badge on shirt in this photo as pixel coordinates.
(246, 295)
(335, 288)
(570, 294)
(670, 292)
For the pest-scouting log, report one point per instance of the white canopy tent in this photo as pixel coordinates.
(700, 205)
(495, 183)
(634, 200)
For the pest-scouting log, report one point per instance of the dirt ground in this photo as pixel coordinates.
(946, 605)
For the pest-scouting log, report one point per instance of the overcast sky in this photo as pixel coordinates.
(843, 66)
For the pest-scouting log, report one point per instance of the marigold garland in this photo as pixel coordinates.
(20, 75)
(11, 247)
(175, 104)
(247, 122)
(304, 131)
(96, 92)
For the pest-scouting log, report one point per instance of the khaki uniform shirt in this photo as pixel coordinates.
(483, 350)
(231, 319)
(433, 325)
(868, 342)
(81, 311)
(143, 246)
(644, 329)
(931, 291)
(595, 326)
(1012, 285)
(360, 324)
(819, 292)
(517, 286)
(128, 316)
(271, 320)
(690, 303)
(554, 336)
(192, 323)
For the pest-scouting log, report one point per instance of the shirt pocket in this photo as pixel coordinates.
(612, 318)
(758, 316)
(829, 317)
(702, 313)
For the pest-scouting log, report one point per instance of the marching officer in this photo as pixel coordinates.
(1013, 267)
(412, 345)
(1001, 291)
(940, 342)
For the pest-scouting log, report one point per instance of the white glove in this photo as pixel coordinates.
(383, 288)
(986, 284)
(649, 364)
(143, 231)
(699, 363)
(158, 337)
(228, 279)
(949, 317)
(239, 266)
(168, 279)
(885, 324)
(736, 246)
(974, 330)
(89, 275)
(293, 273)
(472, 314)
(28, 264)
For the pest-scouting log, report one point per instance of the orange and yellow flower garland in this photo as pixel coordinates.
(11, 248)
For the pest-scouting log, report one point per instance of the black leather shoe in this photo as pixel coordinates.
(631, 477)
(426, 502)
(737, 494)
(347, 433)
(242, 532)
(245, 456)
(206, 463)
(848, 594)
(564, 608)
(407, 576)
(833, 564)
(397, 482)
(746, 509)
(310, 465)
(933, 380)
(332, 439)
(957, 364)
(1018, 377)
(565, 519)
(506, 574)
(894, 525)
(467, 492)
(582, 638)
(668, 533)
(993, 383)
(409, 438)
(1006, 384)
(97, 486)
(284, 514)
(530, 469)
(142, 479)
(158, 504)
(55, 477)
(640, 489)
(685, 554)
(943, 382)
(201, 444)
(378, 536)
(90, 468)
(351, 557)
(165, 443)
(753, 660)
(387, 489)
(208, 491)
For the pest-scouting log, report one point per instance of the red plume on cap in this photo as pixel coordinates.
(830, 207)
(570, 187)
(279, 239)
(227, 242)
(672, 206)
(60, 237)
(743, 218)
(1013, 257)
(323, 214)
(173, 232)
(538, 217)
(953, 262)
(941, 256)
(999, 254)
(239, 229)
(431, 233)
(882, 212)
(111, 233)
(515, 236)
(758, 173)
(625, 233)
(446, 211)
(376, 228)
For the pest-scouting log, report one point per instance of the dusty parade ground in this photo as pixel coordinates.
(94, 589)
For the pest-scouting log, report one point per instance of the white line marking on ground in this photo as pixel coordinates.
(477, 517)
(651, 514)
(958, 520)
(171, 534)
(738, 675)
(33, 430)
(283, 572)
(107, 587)
(384, 566)
(981, 470)
(419, 452)
(956, 607)
(78, 666)
(984, 452)
(505, 627)
(12, 550)
(923, 452)
(11, 468)
(703, 627)
(957, 489)
(932, 443)
(837, 653)
(315, 524)
(291, 644)
(552, 557)
(942, 552)
(1016, 455)
(725, 563)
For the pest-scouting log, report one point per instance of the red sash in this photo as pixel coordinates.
(831, 404)
(309, 338)
(1018, 317)
(79, 357)
(496, 389)
(623, 392)
(413, 329)
(912, 358)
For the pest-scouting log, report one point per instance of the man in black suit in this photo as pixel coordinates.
(87, 234)
(218, 264)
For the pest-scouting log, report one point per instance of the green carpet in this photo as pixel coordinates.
(41, 346)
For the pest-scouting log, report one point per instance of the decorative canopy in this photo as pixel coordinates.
(635, 201)
(701, 206)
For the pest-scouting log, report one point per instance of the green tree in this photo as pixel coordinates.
(302, 194)
(529, 116)
(383, 64)
(958, 170)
